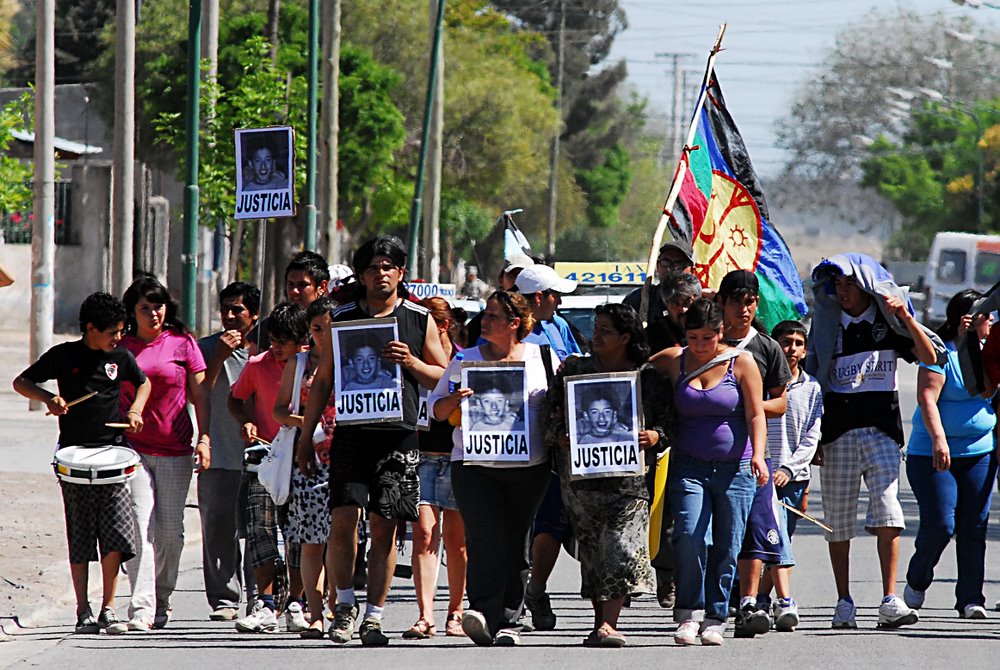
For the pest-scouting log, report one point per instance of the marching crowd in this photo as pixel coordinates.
(730, 420)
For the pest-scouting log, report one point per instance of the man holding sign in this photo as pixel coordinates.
(375, 466)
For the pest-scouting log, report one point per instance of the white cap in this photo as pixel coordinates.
(543, 278)
(338, 273)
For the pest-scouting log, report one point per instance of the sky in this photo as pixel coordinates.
(771, 49)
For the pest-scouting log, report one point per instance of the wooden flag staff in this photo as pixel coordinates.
(806, 516)
(675, 186)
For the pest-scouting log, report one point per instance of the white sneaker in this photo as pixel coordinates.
(687, 633)
(974, 612)
(474, 626)
(711, 632)
(893, 613)
(913, 598)
(140, 624)
(844, 615)
(261, 620)
(507, 637)
(295, 620)
(786, 615)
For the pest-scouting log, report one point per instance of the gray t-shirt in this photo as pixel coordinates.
(224, 430)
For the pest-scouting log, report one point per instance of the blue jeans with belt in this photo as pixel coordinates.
(710, 501)
(952, 503)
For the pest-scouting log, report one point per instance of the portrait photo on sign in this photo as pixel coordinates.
(265, 172)
(497, 404)
(362, 367)
(604, 420)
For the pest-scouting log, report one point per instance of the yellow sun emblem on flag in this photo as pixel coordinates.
(730, 237)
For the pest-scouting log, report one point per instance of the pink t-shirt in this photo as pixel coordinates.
(167, 361)
(260, 379)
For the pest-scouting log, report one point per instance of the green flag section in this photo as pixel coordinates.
(722, 214)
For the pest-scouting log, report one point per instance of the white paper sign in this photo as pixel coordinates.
(423, 411)
(604, 419)
(369, 390)
(265, 172)
(495, 419)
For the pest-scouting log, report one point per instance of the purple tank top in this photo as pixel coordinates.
(712, 426)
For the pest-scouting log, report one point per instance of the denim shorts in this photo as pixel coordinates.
(435, 481)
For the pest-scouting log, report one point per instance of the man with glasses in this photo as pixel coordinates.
(375, 466)
(674, 256)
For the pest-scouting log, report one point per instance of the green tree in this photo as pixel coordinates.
(931, 175)
(15, 175)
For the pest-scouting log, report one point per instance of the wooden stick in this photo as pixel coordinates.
(678, 182)
(114, 424)
(263, 441)
(77, 401)
(806, 516)
(296, 416)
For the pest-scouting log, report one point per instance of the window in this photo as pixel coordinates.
(951, 266)
(16, 226)
(987, 268)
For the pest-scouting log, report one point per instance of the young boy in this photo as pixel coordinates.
(251, 401)
(95, 514)
(862, 325)
(792, 440)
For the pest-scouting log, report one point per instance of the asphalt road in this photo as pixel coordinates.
(940, 639)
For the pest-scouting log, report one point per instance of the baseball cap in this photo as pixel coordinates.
(543, 278)
(679, 246)
(517, 262)
(739, 280)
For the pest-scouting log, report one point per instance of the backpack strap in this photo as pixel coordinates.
(547, 362)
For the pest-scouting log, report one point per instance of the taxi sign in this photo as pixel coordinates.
(594, 274)
(421, 290)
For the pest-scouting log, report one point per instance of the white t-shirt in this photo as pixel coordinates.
(535, 380)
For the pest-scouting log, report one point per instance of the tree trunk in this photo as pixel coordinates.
(273, 14)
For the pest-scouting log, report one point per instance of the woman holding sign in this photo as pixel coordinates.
(498, 498)
(716, 463)
(610, 514)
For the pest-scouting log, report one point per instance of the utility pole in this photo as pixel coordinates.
(43, 229)
(123, 166)
(550, 246)
(676, 134)
(432, 194)
(210, 52)
(189, 255)
(330, 129)
(312, 70)
(416, 208)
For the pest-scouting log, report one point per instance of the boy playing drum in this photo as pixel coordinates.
(94, 513)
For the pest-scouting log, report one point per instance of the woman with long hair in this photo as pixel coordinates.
(437, 500)
(951, 463)
(610, 515)
(170, 358)
(498, 500)
(716, 463)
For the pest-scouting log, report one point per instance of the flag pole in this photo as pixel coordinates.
(675, 186)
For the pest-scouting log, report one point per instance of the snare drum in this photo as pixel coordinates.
(95, 465)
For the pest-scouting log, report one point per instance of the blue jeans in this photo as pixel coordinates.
(953, 503)
(710, 501)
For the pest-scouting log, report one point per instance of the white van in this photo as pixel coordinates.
(958, 261)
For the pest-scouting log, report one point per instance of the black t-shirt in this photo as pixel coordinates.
(656, 306)
(411, 322)
(663, 334)
(863, 378)
(79, 370)
(770, 359)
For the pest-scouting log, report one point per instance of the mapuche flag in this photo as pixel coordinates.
(721, 213)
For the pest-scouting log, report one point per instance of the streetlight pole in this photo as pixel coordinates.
(189, 256)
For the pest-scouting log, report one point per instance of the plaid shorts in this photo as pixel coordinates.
(98, 513)
(860, 453)
(261, 523)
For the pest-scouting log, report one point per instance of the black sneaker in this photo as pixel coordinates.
(108, 620)
(371, 633)
(345, 617)
(666, 592)
(542, 616)
(86, 624)
(751, 621)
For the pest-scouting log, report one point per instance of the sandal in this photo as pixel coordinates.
(312, 633)
(421, 630)
(453, 626)
(609, 637)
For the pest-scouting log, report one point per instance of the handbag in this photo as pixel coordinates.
(275, 470)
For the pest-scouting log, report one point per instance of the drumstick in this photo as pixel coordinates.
(806, 516)
(77, 401)
(117, 425)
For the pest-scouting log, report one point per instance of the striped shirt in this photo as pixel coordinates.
(792, 439)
